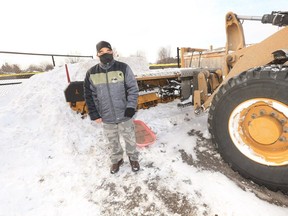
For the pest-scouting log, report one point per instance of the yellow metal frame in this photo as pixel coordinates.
(240, 58)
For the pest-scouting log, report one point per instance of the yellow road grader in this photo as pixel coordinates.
(247, 99)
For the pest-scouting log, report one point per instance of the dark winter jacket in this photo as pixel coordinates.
(109, 90)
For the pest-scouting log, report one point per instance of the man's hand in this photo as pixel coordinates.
(129, 112)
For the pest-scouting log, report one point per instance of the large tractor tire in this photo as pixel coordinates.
(248, 122)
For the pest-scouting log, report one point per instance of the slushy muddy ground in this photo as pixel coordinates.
(133, 199)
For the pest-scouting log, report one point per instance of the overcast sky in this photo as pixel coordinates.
(131, 26)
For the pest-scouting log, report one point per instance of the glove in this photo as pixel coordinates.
(129, 112)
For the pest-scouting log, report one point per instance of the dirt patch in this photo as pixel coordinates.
(135, 197)
(174, 201)
(209, 159)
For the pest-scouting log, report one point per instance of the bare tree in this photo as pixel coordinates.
(73, 60)
(34, 68)
(115, 52)
(48, 67)
(164, 56)
(14, 68)
(39, 68)
(139, 53)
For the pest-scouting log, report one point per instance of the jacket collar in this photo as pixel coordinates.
(108, 65)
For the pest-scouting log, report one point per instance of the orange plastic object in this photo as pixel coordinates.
(144, 136)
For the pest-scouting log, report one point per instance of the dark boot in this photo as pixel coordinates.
(134, 165)
(115, 167)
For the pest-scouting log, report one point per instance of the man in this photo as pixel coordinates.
(111, 94)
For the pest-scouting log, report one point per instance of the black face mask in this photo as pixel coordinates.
(106, 58)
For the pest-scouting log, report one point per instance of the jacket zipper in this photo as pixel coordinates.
(110, 98)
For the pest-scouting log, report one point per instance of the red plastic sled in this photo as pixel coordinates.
(144, 136)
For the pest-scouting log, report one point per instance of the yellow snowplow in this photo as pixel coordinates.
(153, 90)
(245, 89)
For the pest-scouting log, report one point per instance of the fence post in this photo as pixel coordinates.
(53, 60)
(67, 73)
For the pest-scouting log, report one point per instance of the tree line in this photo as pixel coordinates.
(15, 68)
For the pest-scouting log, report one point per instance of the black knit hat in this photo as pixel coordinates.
(102, 44)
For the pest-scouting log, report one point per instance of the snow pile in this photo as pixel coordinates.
(52, 162)
(139, 66)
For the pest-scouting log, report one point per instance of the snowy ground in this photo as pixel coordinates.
(6, 86)
(52, 162)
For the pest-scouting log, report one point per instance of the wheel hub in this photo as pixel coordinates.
(265, 130)
(262, 130)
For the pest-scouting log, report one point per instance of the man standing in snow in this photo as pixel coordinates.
(111, 94)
